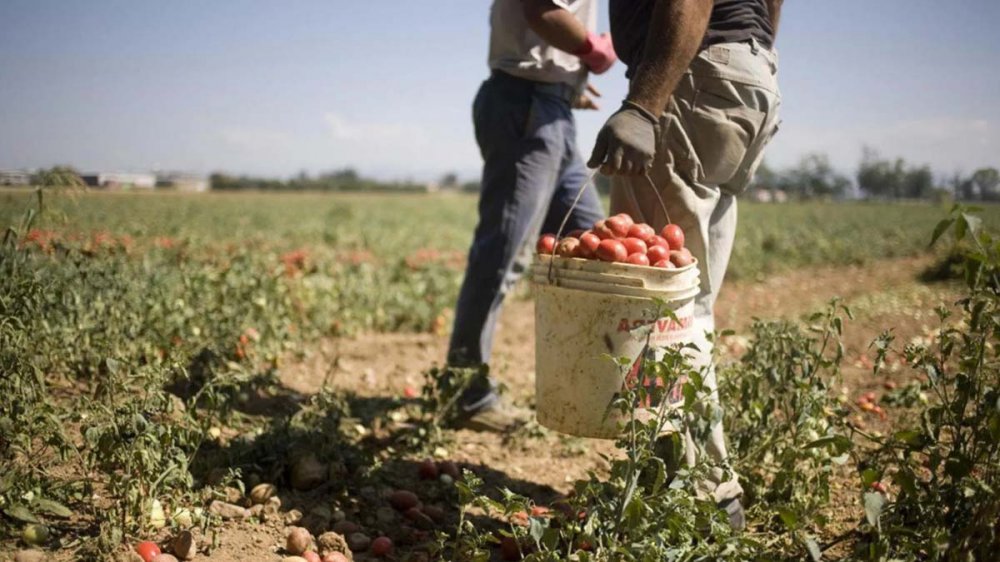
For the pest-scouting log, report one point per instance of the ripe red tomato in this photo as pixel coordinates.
(659, 241)
(627, 218)
(147, 550)
(665, 264)
(674, 236)
(546, 244)
(657, 253)
(588, 245)
(611, 250)
(634, 246)
(602, 230)
(637, 259)
(567, 247)
(682, 257)
(381, 546)
(642, 231)
(618, 225)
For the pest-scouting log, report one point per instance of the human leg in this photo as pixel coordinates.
(712, 138)
(521, 166)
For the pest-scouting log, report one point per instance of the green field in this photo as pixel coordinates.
(771, 237)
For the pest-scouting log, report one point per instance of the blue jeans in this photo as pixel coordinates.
(531, 174)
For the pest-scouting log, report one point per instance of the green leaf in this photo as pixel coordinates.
(961, 227)
(660, 476)
(906, 481)
(841, 443)
(788, 517)
(21, 513)
(874, 503)
(821, 442)
(52, 507)
(868, 476)
(536, 528)
(940, 229)
(634, 511)
(973, 223)
(911, 437)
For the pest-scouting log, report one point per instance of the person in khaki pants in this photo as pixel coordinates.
(702, 104)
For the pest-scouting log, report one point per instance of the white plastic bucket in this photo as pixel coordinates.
(580, 319)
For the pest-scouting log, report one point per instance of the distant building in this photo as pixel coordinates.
(119, 180)
(181, 181)
(15, 177)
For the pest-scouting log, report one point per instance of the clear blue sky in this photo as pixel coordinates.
(277, 87)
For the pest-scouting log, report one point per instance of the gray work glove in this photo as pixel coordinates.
(626, 144)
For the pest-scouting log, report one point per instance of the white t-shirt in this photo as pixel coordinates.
(517, 50)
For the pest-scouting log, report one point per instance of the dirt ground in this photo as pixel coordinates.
(543, 463)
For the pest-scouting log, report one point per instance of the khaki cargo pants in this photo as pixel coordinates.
(712, 138)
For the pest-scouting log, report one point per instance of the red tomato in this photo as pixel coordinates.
(546, 244)
(602, 230)
(311, 556)
(147, 550)
(637, 259)
(381, 546)
(567, 247)
(588, 245)
(657, 253)
(642, 231)
(618, 225)
(427, 470)
(674, 236)
(659, 241)
(612, 250)
(627, 218)
(634, 246)
(681, 258)
(665, 264)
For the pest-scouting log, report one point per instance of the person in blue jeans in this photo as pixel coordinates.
(541, 52)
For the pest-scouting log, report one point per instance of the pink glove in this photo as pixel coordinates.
(597, 52)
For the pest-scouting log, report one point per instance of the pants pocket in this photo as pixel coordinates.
(722, 129)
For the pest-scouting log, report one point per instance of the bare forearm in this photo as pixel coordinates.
(555, 25)
(675, 34)
(774, 6)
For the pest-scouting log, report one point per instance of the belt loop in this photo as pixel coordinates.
(754, 47)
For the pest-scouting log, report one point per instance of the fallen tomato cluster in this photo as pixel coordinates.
(621, 239)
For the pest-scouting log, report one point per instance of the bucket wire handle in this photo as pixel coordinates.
(656, 192)
(562, 225)
(576, 200)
